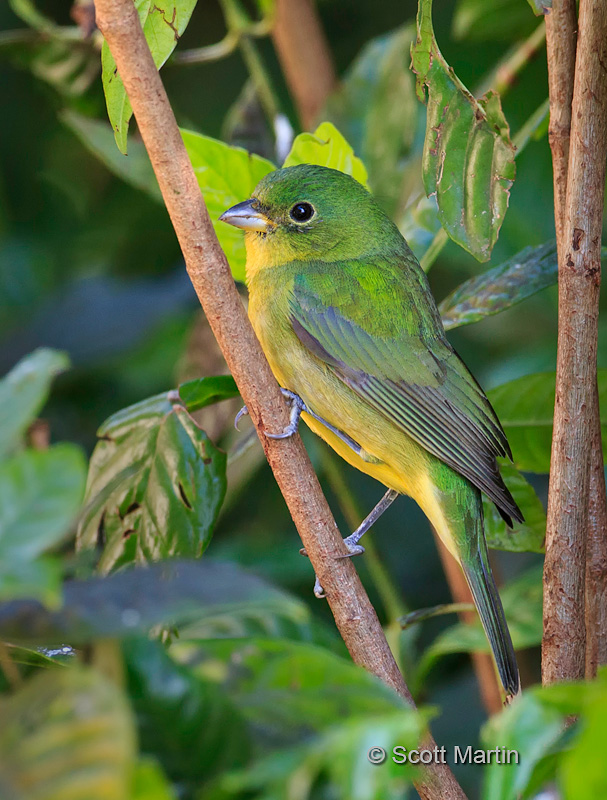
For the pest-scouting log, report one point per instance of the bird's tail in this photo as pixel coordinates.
(480, 579)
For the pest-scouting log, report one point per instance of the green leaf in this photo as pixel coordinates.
(40, 494)
(150, 783)
(540, 7)
(156, 483)
(202, 392)
(328, 724)
(468, 160)
(534, 726)
(226, 176)
(95, 135)
(478, 21)
(522, 599)
(526, 537)
(376, 109)
(528, 272)
(213, 600)
(525, 407)
(163, 23)
(67, 733)
(24, 391)
(174, 710)
(327, 148)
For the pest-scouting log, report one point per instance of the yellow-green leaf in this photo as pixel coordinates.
(327, 148)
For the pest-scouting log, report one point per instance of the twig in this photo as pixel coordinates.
(507, 70)
(564, 642)
(210, 275)
(304, 57)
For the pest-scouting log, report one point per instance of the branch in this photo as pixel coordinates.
(579, 239)
(212, 280)
(304, 57)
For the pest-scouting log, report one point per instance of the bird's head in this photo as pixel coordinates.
(310, 213)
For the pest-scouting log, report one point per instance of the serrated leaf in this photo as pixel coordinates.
(24, 391)
(468, 160)
(163, 23)
(520, 277)
(326, 147)
(226, 176)
(40, 494)
(376, 109)
(522, 600)
(67, 733)
(95, 135)
(174, 707)
(525, 407)
(206, 599)
(525, 537)
(156, 484)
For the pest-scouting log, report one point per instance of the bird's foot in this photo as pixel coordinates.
(354, 549)
(319, 592)
(297, 406)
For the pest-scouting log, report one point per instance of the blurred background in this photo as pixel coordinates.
(90, 265)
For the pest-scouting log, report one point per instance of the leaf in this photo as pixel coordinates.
(163, 23)
(500, 20)
(215, 600)
(24, 391)
(526, 537)
(468, 160)
(525, 407)
(326, 147)
(327, 712)
(523, 275)
(174, 710)
(226, 176)
(534, 726)
(67, 733)
(150, 783)
(40, 494)
(156, 483)
(202, 392)
(376, 109)
(135, 170)
(540, 7)
(522, 600)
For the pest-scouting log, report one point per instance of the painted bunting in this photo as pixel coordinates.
(347, 321)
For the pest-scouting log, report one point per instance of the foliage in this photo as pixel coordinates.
(194, 676)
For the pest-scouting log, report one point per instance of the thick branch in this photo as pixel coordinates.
(210, 275)
(563, 650)
(304, 57)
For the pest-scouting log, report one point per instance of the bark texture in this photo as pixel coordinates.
(564, 643)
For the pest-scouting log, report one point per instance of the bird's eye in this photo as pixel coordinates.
(302, 212)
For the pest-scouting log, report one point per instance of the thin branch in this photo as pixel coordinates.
(564, 643)
(304, 57)
(212, 280)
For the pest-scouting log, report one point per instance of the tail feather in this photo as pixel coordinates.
(487, 600)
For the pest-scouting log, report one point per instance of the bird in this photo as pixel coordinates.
(346, 318)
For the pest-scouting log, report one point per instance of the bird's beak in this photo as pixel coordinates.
(244, 216)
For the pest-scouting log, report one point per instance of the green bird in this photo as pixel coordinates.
(345, 316)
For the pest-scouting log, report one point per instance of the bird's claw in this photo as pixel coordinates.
(319, 592)
(244, 411)
(354, 549)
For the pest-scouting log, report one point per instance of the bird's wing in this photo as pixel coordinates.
(379, 334)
